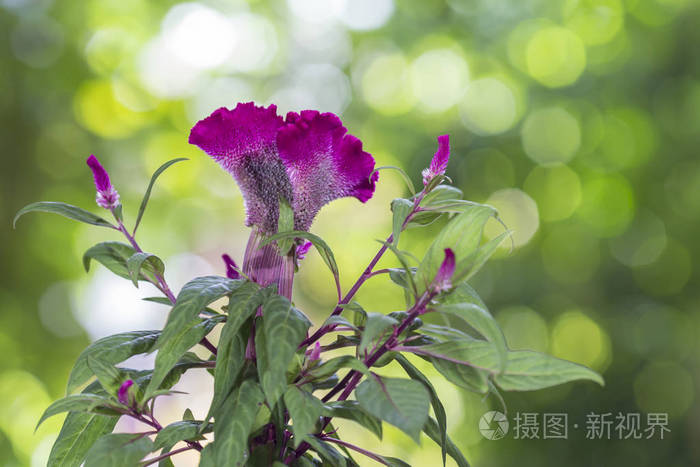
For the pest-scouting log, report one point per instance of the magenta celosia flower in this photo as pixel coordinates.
(443, 278)
(306, 160)
(231, 267)
(123, 393)
(438, 164)
(107, 196)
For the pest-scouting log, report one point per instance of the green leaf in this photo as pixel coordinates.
(482, 321)
(118, 450)
(351, 410)
(65, 210)
(438, 408)
(178, 431)
(75, 403)
(109, 377)
(192, 299)
(401, 172)
(174, 348)
(463, 235)
(527, 371)
(147, 261)
(440, 195)
(231, 349)
(234, 423)
(112, 255)
(161, 300)
(408, 276)
(147, 195)
(401, 208)
(402, 402)
(79, 432)
(305, 411)
(321, 246)
(434, 431)
(285, 223)
(328, 453)
(283, 328)
(377, 325)
(329, 367)
(110, 350)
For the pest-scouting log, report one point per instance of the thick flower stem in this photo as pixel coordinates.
(264, 265)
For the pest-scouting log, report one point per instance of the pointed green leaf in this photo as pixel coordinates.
(463, 235)
(231, 349)
(109, 377)
(402, 402)
(377, 325)
(401, 172)
(147, 195)
(76, 403)
(305, 411)
(438, 408)
(149, 262)
(528, 371)
(285, 223)
(331, 366)
(284, 327)
(401, 209)
(65, 210)
(327, 452)
(179, 431)
(110, 350)
(112, 255)
(118, 450)
(79, 432)
(171, 350)
(434, 431)
(351, 410)
(234, 423)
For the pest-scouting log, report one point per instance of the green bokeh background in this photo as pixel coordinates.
(578, 119)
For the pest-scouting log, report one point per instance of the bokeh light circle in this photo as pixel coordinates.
(643, 241)
(570, 254)
(595, 21)
(578, 338)
(608, 205)
(488, 106)
(524, 328)
(555, 56)
(664, 387)
(518, 211)
(439, 77)
(668, 274)
(365, 15)
(551, 135)
(557, 191)
(386, 84)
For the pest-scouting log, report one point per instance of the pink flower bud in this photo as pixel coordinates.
(123, 393)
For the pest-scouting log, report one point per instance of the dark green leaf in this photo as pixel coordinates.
(110, 350)
(178, 431)
(76, 403)
(463, 235)
(147, 195)
(79, 432)
(377, 325)
(231, 349)
(112, 255)
(174, 348)
(527, 371)
(149, 262)
(284, 327)
(328, 453)
(305, 411)
(234, 423)
(438, 408)
(109, 377)
(440, 195)
(161, 300)
(402, 402)
(329, 367)
(66, 210)
(434, 431)
(401, 209)
(351, 410)
(118, 450)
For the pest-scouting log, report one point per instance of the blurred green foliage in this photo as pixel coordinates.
(578, 119)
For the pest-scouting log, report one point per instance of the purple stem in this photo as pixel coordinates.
(166, 455)
(365, 452)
